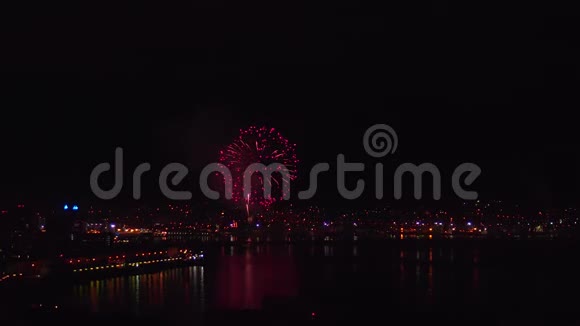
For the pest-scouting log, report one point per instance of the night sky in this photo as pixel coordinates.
(175, 81)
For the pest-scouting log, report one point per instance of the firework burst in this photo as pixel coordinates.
(258, 145)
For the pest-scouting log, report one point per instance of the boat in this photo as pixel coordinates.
(130, 262)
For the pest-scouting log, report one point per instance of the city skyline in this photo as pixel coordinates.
(423, 159)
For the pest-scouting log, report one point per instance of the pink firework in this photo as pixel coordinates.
(259, 145)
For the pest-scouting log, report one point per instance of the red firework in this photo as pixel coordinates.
(259, 145)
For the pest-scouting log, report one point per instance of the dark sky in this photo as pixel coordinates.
(174, 81)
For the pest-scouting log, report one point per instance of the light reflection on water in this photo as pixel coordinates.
(182, 288)
(245, 278)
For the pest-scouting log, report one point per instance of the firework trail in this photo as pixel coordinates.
(258, 145)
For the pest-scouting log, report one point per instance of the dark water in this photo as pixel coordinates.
(479, 281)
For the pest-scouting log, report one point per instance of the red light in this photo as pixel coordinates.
(313, 314)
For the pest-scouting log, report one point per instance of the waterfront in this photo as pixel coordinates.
(479, 280)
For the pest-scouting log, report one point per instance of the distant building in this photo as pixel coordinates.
(60, 227)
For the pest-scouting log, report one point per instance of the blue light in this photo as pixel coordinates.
(65, 207)
(75, 208)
